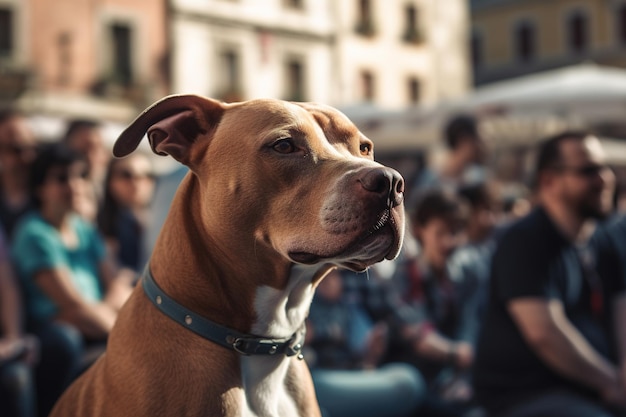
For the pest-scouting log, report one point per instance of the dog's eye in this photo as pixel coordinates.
(284, 146)
(366, 149)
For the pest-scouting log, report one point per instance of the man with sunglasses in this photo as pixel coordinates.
(553, 340)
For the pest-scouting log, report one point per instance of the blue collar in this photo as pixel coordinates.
(242, 343)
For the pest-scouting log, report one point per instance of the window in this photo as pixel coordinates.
(414, 90)
(230, 70)
(577, 32)
(121, 37)
(476, 49)
(294, 4)
(295, 80)
(411, 33)
(64, 44)
(367, 86)
(365, 22)
(621, 24)
(525, 42)
(6, 32)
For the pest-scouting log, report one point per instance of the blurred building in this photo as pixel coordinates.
(235, 50)
(109, 59)
(75, 58)
(510, 38)
(398, 54)
(349, 53)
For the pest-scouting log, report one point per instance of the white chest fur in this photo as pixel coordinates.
(264, 388)
(280, 313)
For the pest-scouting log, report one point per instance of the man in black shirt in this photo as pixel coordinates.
(549, 345)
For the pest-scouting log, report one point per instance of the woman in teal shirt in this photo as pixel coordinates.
(72, 294)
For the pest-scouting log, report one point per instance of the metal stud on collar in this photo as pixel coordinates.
(236, 346)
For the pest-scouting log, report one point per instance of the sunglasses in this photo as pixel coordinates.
(129, 176)
(65, 177)
(587, 171)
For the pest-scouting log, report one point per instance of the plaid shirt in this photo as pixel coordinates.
(378, 296)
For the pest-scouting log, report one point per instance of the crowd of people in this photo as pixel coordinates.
(492, 309)
(496, 307)
(72, 222)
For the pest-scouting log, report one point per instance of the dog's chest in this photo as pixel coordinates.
(280, 313)
(264, 387)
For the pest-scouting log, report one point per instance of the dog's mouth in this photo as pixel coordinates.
(381, 241)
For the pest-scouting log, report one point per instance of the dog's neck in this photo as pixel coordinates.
(235, 293)
(281, 312)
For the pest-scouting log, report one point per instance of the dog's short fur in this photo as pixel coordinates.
(278, 194)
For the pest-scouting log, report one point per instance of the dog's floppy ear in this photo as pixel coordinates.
(172, 125)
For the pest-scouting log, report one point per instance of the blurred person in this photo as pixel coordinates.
(613, 227)
(17, 152)
(467, 152)
(125, 213)
(165, 188)
(553, 341)
(85, 137)
(72, 293)
(515, 207)
(344, 349)
(464, 162)
(616, 229)
(18, 351)
(445, 299)
(484, 211)
(484, 225)
(619, 196)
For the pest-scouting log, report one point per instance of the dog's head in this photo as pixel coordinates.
(294, 179)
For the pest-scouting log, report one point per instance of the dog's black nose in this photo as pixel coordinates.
(386, 182)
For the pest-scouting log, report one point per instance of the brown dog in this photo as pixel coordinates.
(278, 194)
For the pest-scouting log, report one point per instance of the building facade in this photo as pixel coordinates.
(398, 54)
(235, 50)
(76, 58)
(387, 54)
(510, 38)
(109, 59)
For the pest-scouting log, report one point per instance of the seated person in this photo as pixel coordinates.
(463, 163)
(344, 348)
(18, 352)
(444, 301)
(483, 229)
(552, 342)
(17, 152)
(72, 293)
(125, 213)
(616, 229)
